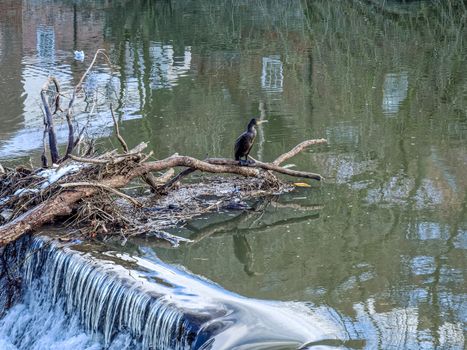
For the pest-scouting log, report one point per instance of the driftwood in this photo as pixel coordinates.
(31, 199)
(62, 203)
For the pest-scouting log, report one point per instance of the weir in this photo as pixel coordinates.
(70, 299)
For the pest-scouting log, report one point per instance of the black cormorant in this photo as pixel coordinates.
(245, 141)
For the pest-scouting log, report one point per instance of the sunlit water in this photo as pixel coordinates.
(383, 241)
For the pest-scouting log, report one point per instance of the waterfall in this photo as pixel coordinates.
(74, 300)
(58, 281)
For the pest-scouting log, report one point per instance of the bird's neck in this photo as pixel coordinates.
(251, 128)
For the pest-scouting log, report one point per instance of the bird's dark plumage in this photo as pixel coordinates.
(245, 141)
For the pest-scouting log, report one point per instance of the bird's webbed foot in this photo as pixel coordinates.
(249, 161)
(243, 162)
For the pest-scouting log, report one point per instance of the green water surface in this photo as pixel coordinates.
(384, 239)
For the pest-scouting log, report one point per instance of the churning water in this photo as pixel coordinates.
(69, 300)
(72, 303)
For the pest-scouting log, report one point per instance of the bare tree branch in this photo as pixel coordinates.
(48, 121)
(267, 166)
(105, 187)
(117, 131)
(297, 149)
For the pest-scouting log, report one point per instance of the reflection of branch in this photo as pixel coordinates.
(261, 138)
(225, 226)
(232, 225)
(244, 253)
(297, 206)
(281, 223)
(117, 131)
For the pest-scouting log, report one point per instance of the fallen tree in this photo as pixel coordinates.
(82, 187)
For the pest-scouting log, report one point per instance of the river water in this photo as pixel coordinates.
(383, 241)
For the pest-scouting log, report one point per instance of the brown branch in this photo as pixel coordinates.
(57, 96)
(71, 141)
(146, 157)
(274, 166)
(156, 182)
(138, 149)
(48, 121)
(80, 83)
(176, 179)
(190, 162)
(89, 160)
(297, 149)
(105, 187)
(112, 158)
(117, 131)
(165, 176)
(39, 215)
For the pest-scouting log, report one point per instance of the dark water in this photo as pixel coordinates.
(383, 241)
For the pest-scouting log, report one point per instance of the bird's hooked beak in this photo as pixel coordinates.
(261, 122)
